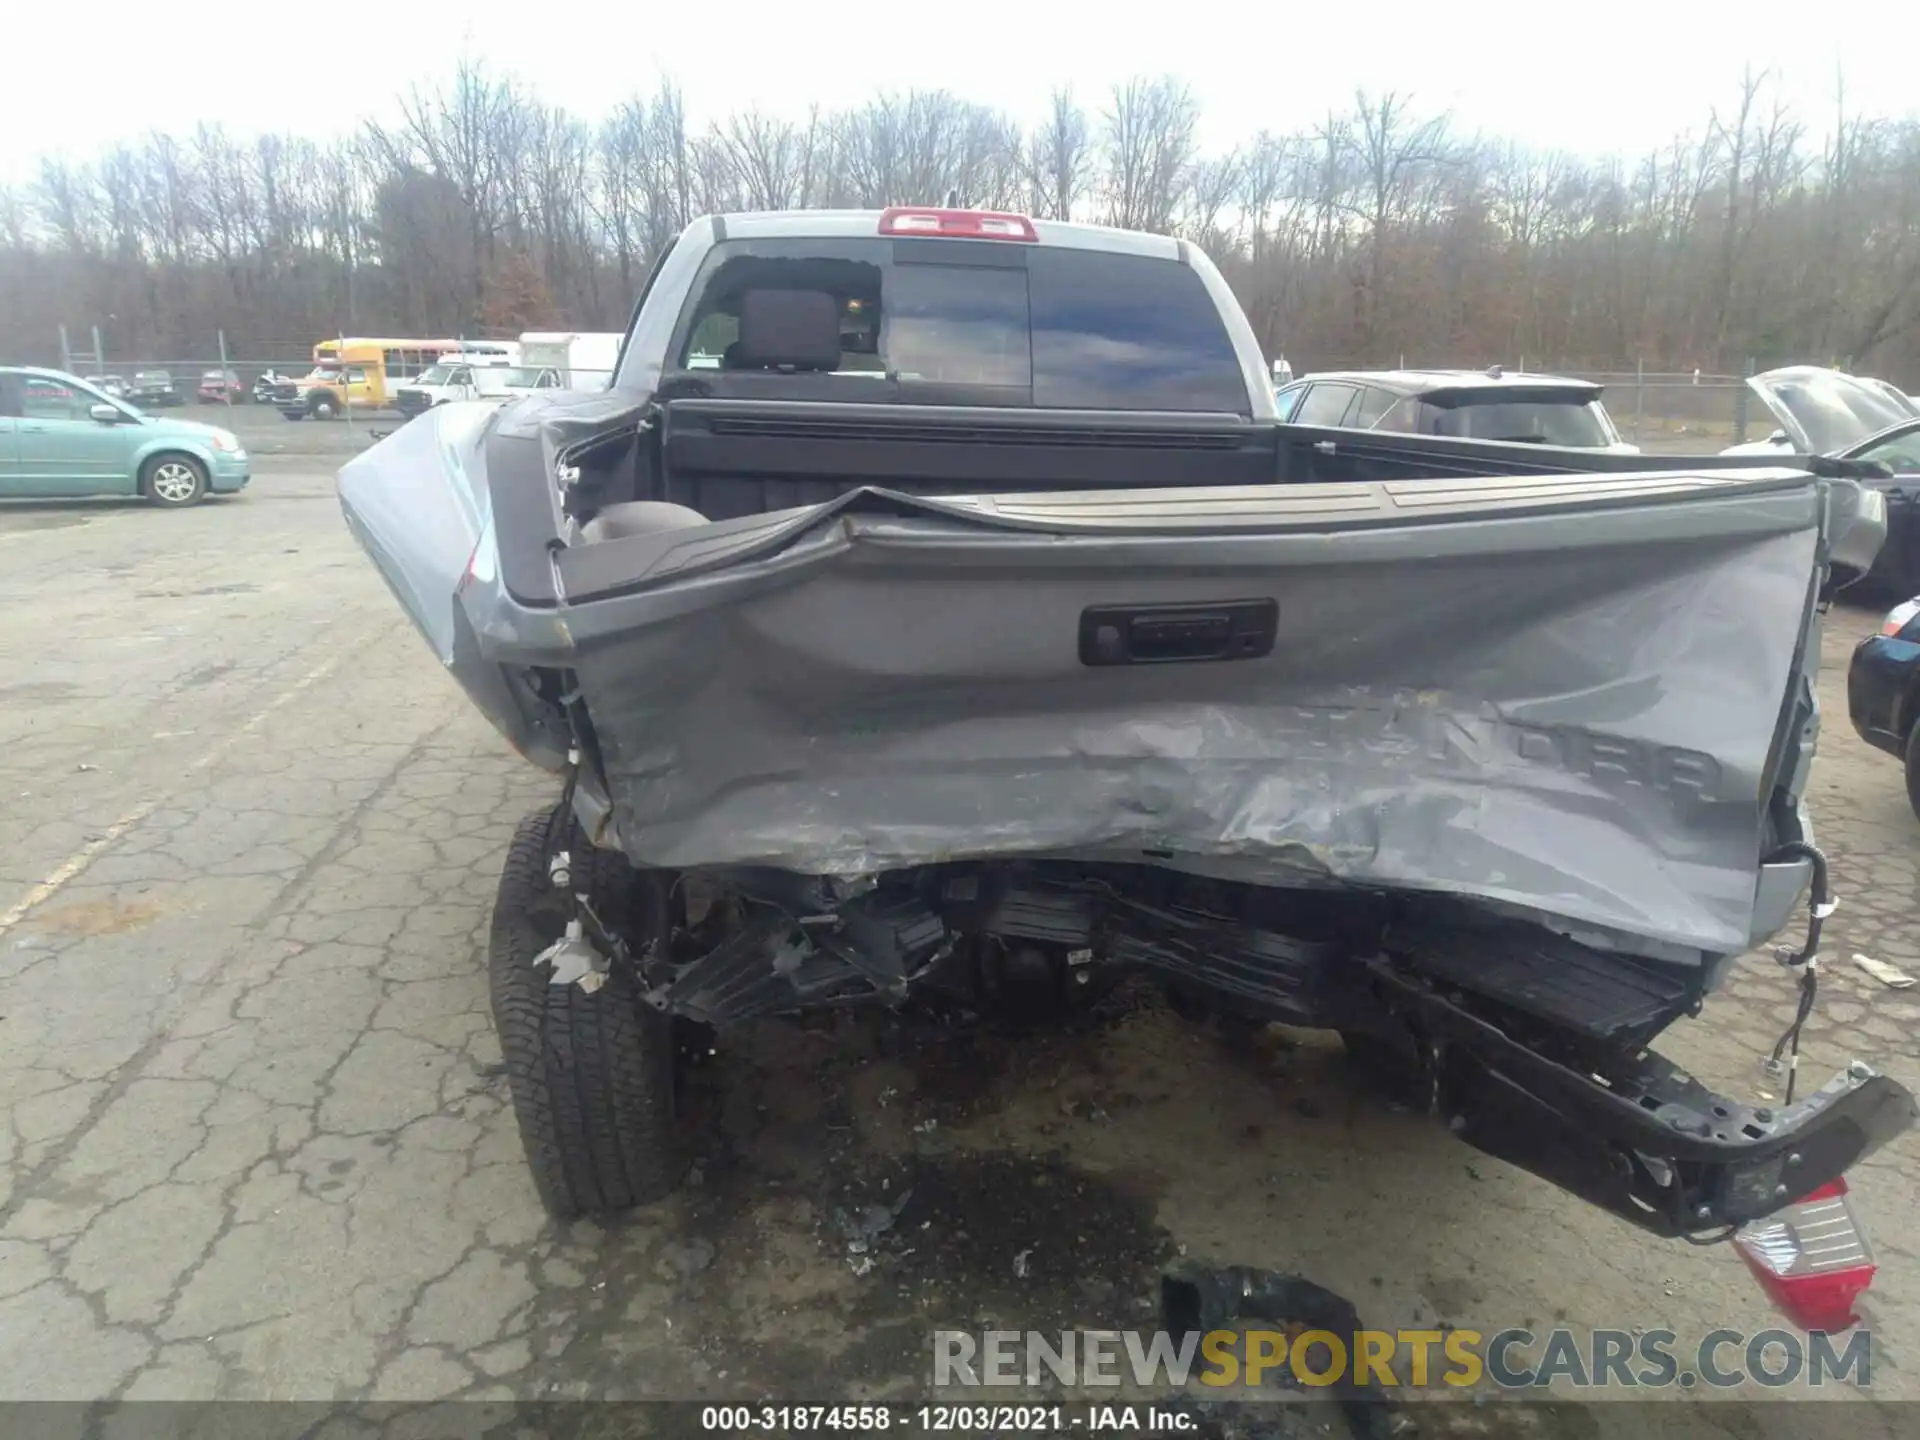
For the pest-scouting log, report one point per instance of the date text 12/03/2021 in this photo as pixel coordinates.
(940, 1419)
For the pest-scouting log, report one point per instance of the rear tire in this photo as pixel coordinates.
(591, 1074)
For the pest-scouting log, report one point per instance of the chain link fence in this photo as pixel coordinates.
(1679, 411)
(225, 372)
(1659, 409)
(220, 374)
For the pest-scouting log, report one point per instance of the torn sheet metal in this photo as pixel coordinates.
(1578, 731)
(1575, 711)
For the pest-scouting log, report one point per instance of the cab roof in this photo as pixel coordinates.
(865, 225)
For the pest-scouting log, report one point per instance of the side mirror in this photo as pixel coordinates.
(105, 414)
(1778, 437)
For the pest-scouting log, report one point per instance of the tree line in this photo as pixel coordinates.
(1379, 232)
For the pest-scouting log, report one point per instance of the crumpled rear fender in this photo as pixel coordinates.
(419, 504)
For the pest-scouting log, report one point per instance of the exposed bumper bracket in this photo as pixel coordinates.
(1646, 1141)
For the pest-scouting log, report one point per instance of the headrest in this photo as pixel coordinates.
(797, 329)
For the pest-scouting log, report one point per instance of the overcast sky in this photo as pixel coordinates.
(1621, 76)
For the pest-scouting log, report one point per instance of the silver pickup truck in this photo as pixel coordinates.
(972, 634)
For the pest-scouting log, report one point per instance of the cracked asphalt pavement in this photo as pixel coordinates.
(257, 1142)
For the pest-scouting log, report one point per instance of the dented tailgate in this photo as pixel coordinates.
(1585, 697)
(1568, 696)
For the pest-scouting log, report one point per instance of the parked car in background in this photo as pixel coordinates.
(451, 378)
(1883, 691)
(1852, 417)
(220, 387)
(114, 385)
(1820, 411)
(1465, 404)
(153, 389)
(444, 384)
(62, 437)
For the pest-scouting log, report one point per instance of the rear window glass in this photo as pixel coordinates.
(957, 325)
(1324, 405)
(1373, 404)
(1573, 420)
(1837, 411)
(1126, 332)
(987, 323)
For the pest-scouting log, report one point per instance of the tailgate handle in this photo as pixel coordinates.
(1325, 447)
(1165, 634)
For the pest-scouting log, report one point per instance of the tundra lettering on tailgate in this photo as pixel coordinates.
(1423, 724)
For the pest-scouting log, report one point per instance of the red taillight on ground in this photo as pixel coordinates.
(956, 224)
(1811, 1258)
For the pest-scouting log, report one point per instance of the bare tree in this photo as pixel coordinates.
(1149, 144)
(1212, 187)
(621, 210)
(770, 159)
(1059, 159)
(1374, 233)
(1392, 149)
(1733, 142)
(15, 227)
(69, 204)
(468, 134)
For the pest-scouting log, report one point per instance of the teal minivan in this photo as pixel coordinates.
(63, 438)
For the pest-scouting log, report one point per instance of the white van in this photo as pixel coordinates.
(585, 360)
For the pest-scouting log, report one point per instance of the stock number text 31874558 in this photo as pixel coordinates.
(976, 1419)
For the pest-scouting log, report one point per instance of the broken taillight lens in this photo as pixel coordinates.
(1811, 1258)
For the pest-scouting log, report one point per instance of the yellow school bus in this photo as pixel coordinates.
(363, 371)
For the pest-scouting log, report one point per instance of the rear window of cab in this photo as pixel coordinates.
(984, 323)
